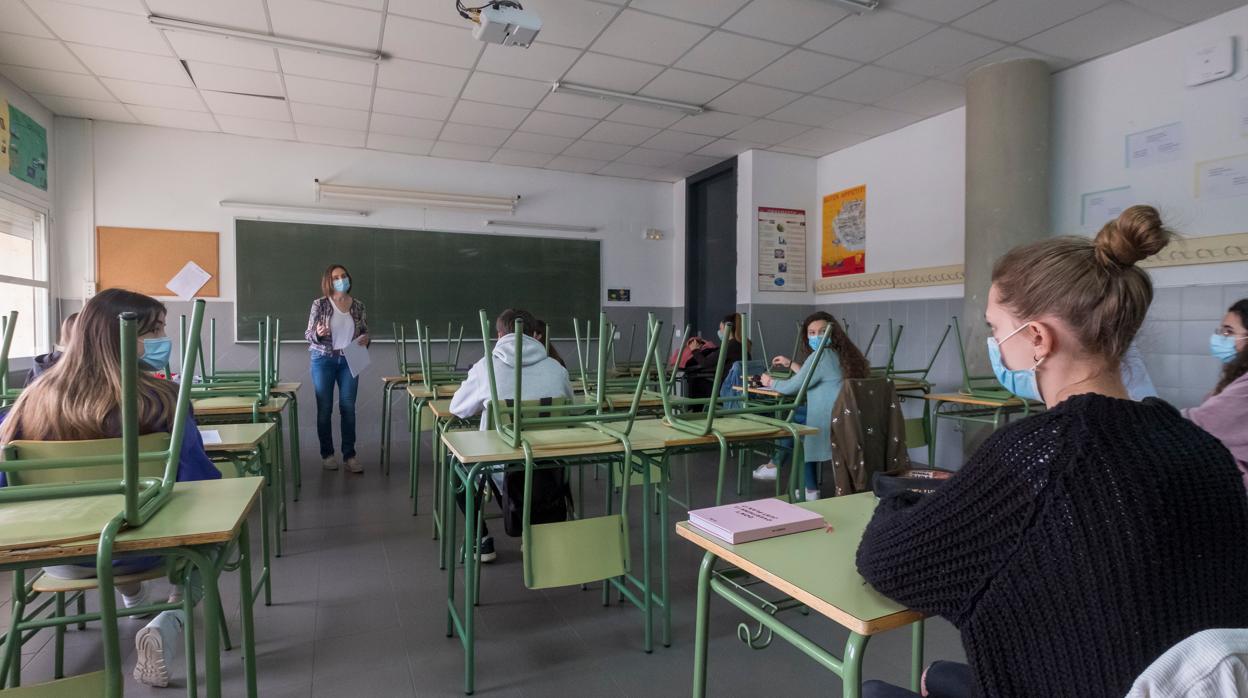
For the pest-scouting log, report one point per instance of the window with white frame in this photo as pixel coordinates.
(24, 276)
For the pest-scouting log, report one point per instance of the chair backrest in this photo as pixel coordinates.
(433, 374)
(8, 328)
(979, 386)
(151, 466)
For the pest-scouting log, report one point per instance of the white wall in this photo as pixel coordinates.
(773, 180)
(9, 184)
(146, 177)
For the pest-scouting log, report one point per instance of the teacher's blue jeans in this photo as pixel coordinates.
(328, 371)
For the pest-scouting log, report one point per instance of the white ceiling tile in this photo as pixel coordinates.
(330, 136)
(433, 10)
(145, 93)
(575, 105)
(571, 22)
(1187, 11)
(869, 84)
(538, 143)
(939, 52)
(624, 169)
(787, 21)
(937, 10)
(522, 158)
(712, 123)
(334, 117)
(712, 12)
(224, 78)
(55, 83)
(392, 125)
(412, 104)
(813, 111)
(327, 92)
(1013, 20)
(769, 132)
(85, 108)
(678, 141)
(481, 114)
(623, 134)
(696, 163)
(500, 89)
(726, 148)
(242, 14)
(927, 99)
(321, 21)
(315, 65)
(596, 151)
(399, 144)
(650, 158)
(803, 71)
(870, 121)
(958, 75)
(260, 128)
(644, 116)
(377, 5)
(731, 56)
(142, 67)
(804, 152)
(1105, 30)
(33, 52)
(134, 7)
(868, 36)
(561, 125)
(752, 100)
(425, 78)
(571, 164)
(86, 25)
(433, 43)
(611, 73)
(246, 105)
(682, 86)
(211, 49)
(462, 151)
(545, 62)
(475, 135)
(174, 118)
(18, 19)
(648, 38)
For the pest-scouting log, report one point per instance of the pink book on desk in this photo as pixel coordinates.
(749, 521)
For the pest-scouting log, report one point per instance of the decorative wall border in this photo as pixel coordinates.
(1210, 249)
(908, 278)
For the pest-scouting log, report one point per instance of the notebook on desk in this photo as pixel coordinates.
(744, 522)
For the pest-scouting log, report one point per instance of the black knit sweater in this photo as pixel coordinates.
(1073, 548)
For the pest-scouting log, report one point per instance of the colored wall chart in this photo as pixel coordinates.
(781, 249)
(28, 149)
(4, 134)
(845, 232)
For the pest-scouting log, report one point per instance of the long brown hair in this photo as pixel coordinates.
(1093, 286)
(327, 280)
(551, 351)
(853, 363)
(1237, 366)
(80, 396)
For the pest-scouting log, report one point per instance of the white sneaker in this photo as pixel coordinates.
(139, 599)
(766, 471)
(154, 646)
(812, 495)
(354, 465)
(330, 463)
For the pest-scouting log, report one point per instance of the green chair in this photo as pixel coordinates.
(8, 328)
(985, 387)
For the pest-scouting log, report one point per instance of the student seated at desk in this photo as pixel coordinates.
(842, 361)
(1225, 412)
(1077, 545)
(79, 398)
(700, 369)
(43, 362)
(540, 377)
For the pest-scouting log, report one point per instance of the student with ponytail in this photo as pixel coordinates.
(1078, 545)
(1225, 412)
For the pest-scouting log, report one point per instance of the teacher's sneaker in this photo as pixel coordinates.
(154, 646)
(766, 471)
(330, 463)
(354, 465)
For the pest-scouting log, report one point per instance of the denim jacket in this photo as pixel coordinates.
(323, 313)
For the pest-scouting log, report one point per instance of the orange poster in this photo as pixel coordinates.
(845, 232)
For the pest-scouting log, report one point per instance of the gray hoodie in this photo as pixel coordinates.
(541, 376)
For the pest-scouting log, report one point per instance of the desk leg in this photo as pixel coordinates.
(931, 438)
(295, 462)
(249, 633)
(470, 581)
(665, 480)
(266, 511)
(417, 411)
(851, 665)
(386, 395)
(916, 656)
(701, 630)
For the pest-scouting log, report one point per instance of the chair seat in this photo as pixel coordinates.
(577, 552)
(48, 584)
(73, 687)
(49, 522)
(573, 438)
(236, 405)
(741, 427)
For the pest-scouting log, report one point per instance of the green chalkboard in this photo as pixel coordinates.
(408, 275)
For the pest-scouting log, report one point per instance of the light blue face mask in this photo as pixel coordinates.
(720, 333)
(1021, 382)
(342, 285)
(813, 341)
(1223, 347)
(156, 353)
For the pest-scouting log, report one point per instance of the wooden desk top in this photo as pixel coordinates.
(487, 447)
(817, 567)
(765, 392)
(441, 409)
(236, 405)
(238, 437)
(420, 392)
(198, 513)
(655, 430)
(960, 399)
(286, 387)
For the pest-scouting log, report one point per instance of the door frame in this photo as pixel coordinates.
(716, 170)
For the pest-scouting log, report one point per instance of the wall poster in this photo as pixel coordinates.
(781, 249)
(845, 232)
(4, 134)
(28, 149)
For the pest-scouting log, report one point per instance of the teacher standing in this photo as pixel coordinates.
(337, 319)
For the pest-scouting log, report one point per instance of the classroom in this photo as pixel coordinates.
(870, 348)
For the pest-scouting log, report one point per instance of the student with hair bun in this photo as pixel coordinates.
(1078, 545)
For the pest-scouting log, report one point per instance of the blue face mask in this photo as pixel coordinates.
(1223, 347)
(813, 341)
(1021, 382)
(156, 353)
(342, 285)
(720, 333)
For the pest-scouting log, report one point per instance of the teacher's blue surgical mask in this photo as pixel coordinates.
(342, 285)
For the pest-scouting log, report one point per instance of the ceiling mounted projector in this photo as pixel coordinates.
(503, 22)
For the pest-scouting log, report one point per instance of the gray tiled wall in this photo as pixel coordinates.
(1175, 339)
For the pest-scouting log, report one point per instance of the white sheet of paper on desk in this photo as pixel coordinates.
(188, 281)
(211, 437)
(357, 358)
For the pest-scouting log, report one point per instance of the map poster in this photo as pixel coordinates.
(4, 134)
(845, 232)
(28, 149)
(781, 249)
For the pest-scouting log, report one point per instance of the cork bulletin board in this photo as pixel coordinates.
(145, 259)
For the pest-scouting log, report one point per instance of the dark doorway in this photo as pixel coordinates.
(711, 247)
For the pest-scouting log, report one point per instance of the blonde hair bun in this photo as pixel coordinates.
(1136, 234)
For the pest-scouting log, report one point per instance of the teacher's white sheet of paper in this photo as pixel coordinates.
(188, 281)
(357, 358)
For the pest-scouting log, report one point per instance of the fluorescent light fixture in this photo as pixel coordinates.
(543, 226)
(858, 6)
(625, 98)
(227, 203)
(182, 25)
(408, 197)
